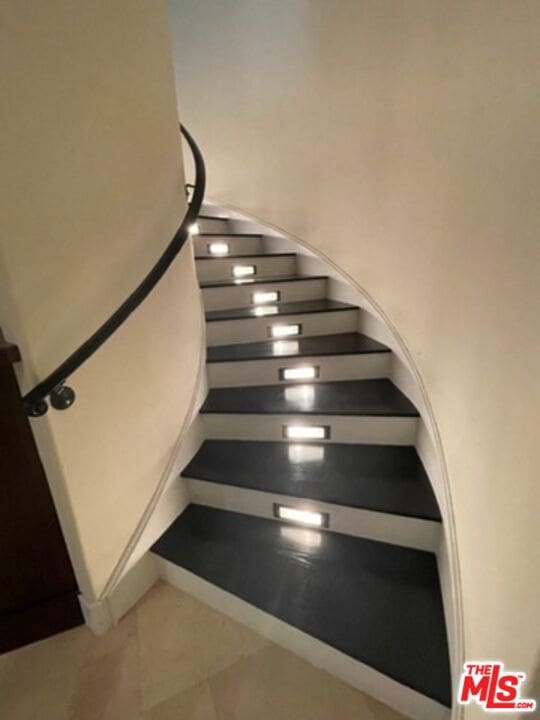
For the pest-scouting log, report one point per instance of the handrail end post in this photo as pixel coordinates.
(62, 397)
(36, 408)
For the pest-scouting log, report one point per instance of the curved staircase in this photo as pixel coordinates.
(312, 518)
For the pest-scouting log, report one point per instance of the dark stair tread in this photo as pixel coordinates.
(257, 280)
(316, 345)
(300, 307)
(202, 216)
(383, 478)
(377, 603)
(245, 256)
(346, 397)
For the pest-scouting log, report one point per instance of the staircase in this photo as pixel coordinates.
(312, 518)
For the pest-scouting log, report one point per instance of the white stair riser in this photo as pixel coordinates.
(225, 332)
(343, 429)
(237, 296)
(207, 225)
(400, 697)
(238, 245)
(222, 268)
(394, 529)
(330, 367)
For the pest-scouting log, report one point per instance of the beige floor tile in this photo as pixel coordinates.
(172, 658)
(38, 681)
(183, 642)
(382, 712)
(193, 704)
(276, 684)
(121, 635)
(108, 686)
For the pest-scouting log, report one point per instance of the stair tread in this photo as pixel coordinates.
(345, 397)
(316, 345)
(245, 257)
(257, 280)
(292, 308)
(377, 603)
(383, 478)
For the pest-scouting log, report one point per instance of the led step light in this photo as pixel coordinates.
(305, 372)
(301, 517)
(240, 271)
(306, 432)
(281, 331)
(219, 248)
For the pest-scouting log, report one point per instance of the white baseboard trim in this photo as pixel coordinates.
(97, 615)
(403, 699)
(101, 615)
(133, 586)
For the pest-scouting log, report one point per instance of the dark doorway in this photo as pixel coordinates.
(38, 590)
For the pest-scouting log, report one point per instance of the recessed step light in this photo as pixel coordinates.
(194, 228)
(219, 248)
(306, 432)
(281, 331)
(305, 372)
(301, 517)
(265, 296)
(240, 271)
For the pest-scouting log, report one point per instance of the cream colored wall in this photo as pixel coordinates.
(92, 193)
(402, 138)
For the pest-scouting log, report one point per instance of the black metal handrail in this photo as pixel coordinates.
(61, 396)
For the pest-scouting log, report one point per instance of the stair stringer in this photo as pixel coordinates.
(405, 375)
(137, 569)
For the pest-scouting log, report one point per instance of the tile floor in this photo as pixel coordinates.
(172, 658)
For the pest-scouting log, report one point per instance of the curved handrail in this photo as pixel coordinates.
(61, 396)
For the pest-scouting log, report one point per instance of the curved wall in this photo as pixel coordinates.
(94, 191)
(401, 139)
